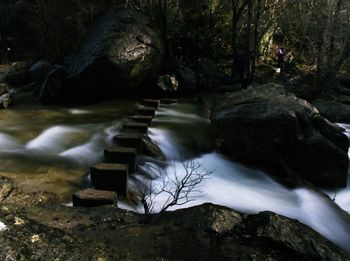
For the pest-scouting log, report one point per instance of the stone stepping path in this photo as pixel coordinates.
(142, 119)
(146, 111)
(94, 198)
(110, 179)
(110, 176)
(136, 126)
(151, 103)
(122, 155)
(129, 140)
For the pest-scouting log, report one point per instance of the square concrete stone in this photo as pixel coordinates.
(108, 176)
(122, 155)
(93, 198)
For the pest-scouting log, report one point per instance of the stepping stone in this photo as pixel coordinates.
(146, 111)
(129, 140)
(169, 101)
(107, 176)
(151, 103)
(142, 119)
(122, 155)
(94, 198)
(136, 126)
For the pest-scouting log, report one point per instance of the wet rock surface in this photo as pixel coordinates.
(267, 126)
(38, 227)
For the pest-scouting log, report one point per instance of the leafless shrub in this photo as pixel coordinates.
(178, 187)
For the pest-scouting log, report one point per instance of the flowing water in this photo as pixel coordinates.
(52, 149)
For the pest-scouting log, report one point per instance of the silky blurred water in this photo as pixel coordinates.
(52, 149)
(235, 186)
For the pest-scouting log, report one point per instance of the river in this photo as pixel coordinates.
(52, 149)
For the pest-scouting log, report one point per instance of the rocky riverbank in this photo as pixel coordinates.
(39, 227)
(268, 127)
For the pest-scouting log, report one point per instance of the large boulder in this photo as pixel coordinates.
(209, 75)
(268, 127)
(119, 55)
(168, 84)
(51, 90)
(7, 95)
(333, 110)
(17, 74)
(187, 78)
(38, 71)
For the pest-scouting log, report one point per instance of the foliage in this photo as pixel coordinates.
(195, 29)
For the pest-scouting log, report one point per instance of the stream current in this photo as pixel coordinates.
(52, 149)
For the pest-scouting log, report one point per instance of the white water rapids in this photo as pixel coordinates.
(55, 149)
(248, 190)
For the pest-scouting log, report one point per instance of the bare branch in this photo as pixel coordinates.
(178, 186)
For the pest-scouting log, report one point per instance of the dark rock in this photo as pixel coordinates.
(228, 88)
(17, 75)
(122, 155)
(345, 99)
(345, 82)
(119, 55)
(130, 140)
(108, 176)
(333, 110)
(4, 88)
(186, 77)
(274, 229)
(206, 232)
(154, 103)
(39, 70)
(147, 111)
(26, 239)
(267, 127)
(168, 83)
(8, 97)
(94, 198)
(264, 73)
(264, 236)
(305, 92)
(4, 100)
(6, 188)
(52, 88)
(150, 148)
(209, 75)
(135, 127)
(169, 101)
(142, 119)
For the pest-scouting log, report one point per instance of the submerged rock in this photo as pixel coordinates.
(119, 55)
(267, 127)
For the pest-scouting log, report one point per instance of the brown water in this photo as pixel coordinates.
(52, 148)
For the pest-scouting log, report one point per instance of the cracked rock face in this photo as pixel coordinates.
(120, 53)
